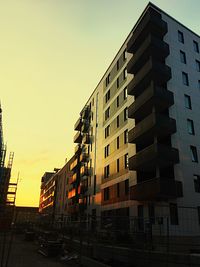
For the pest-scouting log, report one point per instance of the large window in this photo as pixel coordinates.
(188, 103)
(107, 113)
(180, 37)
(185, 78)
(196, 46)
(107, 171)
(126, 187)
(107, 131)
(106, 193)
(126, 136)
(107, 95)
(183, 57)
(190, 126)
(107, 151)
(198, 65)
(125, 114)
(194, 156)
(125, 93)
(173, 213)
(196, 183)
(117, 142)
(117, 165)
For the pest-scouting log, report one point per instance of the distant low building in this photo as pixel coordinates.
(27, 215)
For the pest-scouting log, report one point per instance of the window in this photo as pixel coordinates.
(107, 95)
(188, 103)
(198, 213)
(124, 55)
(106, 193)
(118, 142)
(194, 156)
(117, 64)
(126, 187)
(107, 131)
(108, 79)
(107, 171)
(190, 126)
(125, 114)
(185, 78)
(125, 73)
(126, 161)
(180, 37)
(106, 151)
(173, 213)
(199, 84)
(117, 101)
(125, 136)
(117, 121)
(196, 183)
(117, 165)
(125, 93)
(151, 211)
(183, 57)
(117, 82)
(196, 46)
(198, 65)
(107, 113)
(118, 190)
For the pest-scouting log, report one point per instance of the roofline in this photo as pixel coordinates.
(150, 4)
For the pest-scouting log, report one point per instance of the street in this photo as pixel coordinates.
(25, 254)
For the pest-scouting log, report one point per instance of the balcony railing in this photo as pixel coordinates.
(78, 137)
(153, 96)
(152, 156)
(78, 124)
(86, 139)
(84, 157)
(153, 125)
(157, 189)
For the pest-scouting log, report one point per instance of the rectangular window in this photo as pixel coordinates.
(194, 156)
(124, 55)
(198, 65)
(117, 101)
(117, 82)
(196, 46)
(117, 64)
(198, 213)
(106, 193)
(183, 57)
(117, 121)
(180, 37)
(108, 96)
(107, 131)
(173, 213)
(118, 190)
(125, 114)
(108, 79)
(117, 165)
(125, 93)
(126, 187)
(107, 171)
(188, 103)
(126, 136)
(125, 73)
(199, 84)
(126, 163)
(106, 151)
(107, 113)
(118, 142)
(185, 78)
(196, 183)
(190, 126)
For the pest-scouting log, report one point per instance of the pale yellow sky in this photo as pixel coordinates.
(52, 55)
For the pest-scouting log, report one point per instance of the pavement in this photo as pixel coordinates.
(25, 254)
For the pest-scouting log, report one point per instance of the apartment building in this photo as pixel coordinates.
(138, 137)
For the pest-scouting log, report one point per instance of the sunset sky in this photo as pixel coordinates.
(52, 55)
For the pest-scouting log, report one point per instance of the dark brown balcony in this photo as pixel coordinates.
(152, 71)
(151, 22)
(84, 157)
(153, 125)
(156, 189)
(85, 126)
(78, 138)
(78, 124)
(85, 171)
(151, 46)
(157, 97)
(78, 149)
(86, 139)
(155, 155)
(86, 112)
